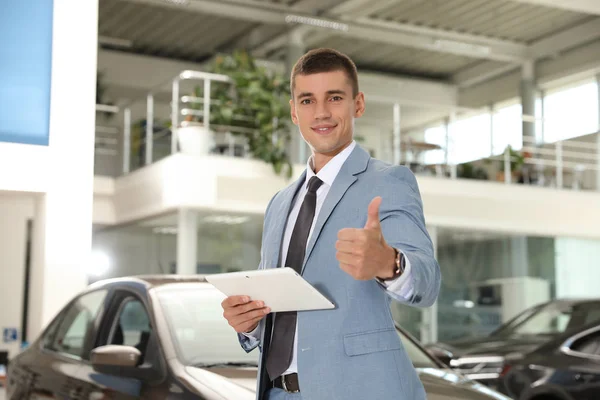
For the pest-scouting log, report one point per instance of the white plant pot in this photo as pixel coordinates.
(195, 140)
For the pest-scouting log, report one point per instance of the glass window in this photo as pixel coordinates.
(470, 138)
(435, 135)
(132, 326)
(75, 329)
(508, 128)
(571, 112)
(489, 278)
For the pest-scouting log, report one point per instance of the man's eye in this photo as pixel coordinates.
(305, 101)
(336, 98)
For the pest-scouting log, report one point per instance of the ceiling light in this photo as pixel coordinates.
(321, 23)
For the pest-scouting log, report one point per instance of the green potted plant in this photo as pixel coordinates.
(517, 161)
(255, 106)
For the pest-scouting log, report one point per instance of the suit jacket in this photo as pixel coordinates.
(353, 351)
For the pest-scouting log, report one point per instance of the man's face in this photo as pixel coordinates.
(324, 110)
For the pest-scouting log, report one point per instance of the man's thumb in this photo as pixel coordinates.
(373, 214)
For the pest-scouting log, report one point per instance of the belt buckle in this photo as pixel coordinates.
(285, 386)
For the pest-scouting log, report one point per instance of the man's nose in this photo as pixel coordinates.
(322, 111)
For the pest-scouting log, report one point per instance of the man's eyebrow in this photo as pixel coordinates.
(304, 94)
(329, 92)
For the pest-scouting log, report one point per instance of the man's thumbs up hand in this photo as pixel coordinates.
(373, 222)
(364, 253)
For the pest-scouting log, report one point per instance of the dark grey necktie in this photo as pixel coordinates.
(282, 343)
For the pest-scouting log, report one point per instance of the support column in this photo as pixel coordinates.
(187, 241)
(528, 91)
(397, 135)
(299, 150)
(62, 237)
(429, 326)
(598, 137)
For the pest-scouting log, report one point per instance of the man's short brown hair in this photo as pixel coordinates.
(325, 60)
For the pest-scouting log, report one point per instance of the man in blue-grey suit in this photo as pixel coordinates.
(353, 226)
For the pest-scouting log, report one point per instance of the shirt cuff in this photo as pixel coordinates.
(402, 285)
(254, 334)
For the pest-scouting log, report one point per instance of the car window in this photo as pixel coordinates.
(589, 344)
(131, 326)
(201, 334)
(552, 319)
(76, 326)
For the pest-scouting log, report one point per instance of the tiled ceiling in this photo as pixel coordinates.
(168, 32)
(157, 29)
(399, 59)
(501, 19)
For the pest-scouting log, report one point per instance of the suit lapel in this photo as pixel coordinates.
(356, 163)
(280, 218)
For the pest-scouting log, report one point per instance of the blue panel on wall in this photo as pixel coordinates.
(25, 67)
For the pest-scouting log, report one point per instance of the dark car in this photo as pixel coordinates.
(566, 368)
(482, 358)
(165, 337)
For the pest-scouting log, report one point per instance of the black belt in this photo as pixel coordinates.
(289, 383)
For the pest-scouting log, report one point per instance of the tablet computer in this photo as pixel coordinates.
(281, 289)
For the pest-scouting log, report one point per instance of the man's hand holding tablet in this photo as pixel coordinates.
(242, 313)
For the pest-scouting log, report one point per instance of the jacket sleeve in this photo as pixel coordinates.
(250, 342)
(403, 226)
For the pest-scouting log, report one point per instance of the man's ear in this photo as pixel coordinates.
(359, 105)
(293, 112)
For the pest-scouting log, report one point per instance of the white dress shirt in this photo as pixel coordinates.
(327, 174)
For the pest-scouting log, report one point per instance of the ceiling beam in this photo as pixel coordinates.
(378, 31)
(567, 39)
(262, 33)
(582, 6)
(551, 46)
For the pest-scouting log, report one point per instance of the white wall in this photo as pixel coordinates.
(15, 211)
(577, 267)
(63, 214)
(26, 165)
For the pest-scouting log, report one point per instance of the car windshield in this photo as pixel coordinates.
(551, 319)
(201, 333)
(204, 338)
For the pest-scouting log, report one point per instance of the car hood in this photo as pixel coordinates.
(492, 345)
(240, 384)
(445, 384)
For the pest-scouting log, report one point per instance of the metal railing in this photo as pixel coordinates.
(159, 139)
(565, 164)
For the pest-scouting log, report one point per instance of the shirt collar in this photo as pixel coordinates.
(330, 171)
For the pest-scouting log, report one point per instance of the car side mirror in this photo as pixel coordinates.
(122, 361)
(116, 356)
